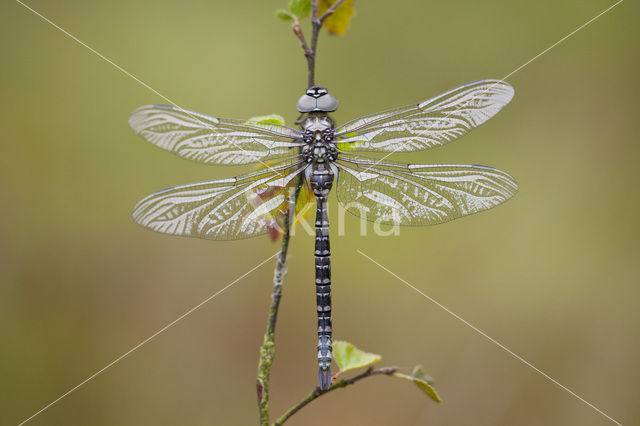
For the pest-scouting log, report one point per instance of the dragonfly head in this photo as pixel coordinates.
(317, 99)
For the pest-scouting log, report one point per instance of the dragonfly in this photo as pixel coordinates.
(310, 161)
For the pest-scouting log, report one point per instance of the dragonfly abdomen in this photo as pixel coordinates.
(321, 181)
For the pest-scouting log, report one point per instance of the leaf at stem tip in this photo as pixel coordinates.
(422, 381)
(338, 22)
(284, 15)
(268, 119)
(348, 357)
(300, 8)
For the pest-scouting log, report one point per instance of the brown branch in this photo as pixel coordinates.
(268, 348)
(330, 11)
(303, 42)
(341, 384)
(315, 30)
(316, 25)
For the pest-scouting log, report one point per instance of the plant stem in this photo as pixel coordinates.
(337, 385)
(316, 25)
(303, 42)
(315, 30)
(268, 348)
(330, 11)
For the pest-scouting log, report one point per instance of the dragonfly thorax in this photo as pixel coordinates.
(317, 122)
(318, 135)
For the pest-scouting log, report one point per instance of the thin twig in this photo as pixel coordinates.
(330, 11)
(303, 42)
(341, 384)
(315, 30)
(316, 25)
(268, 348)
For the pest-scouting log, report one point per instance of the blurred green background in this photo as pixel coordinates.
(552, 274)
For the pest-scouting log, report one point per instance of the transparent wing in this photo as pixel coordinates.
(225, 209)
(429, 124)
(419, 194)
(212, 140)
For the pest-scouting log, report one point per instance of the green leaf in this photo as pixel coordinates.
(268, 119)
(284, 15)
(300, 8)
(338, 22)
(424, 382)
(348, 357)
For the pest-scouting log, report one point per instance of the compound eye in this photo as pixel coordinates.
(306, 103)
(327, 103)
